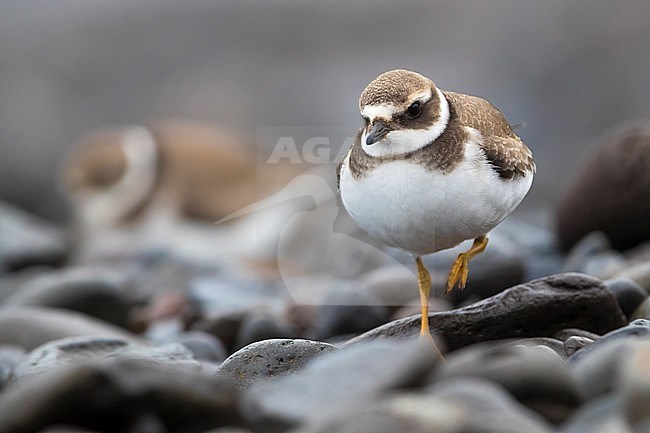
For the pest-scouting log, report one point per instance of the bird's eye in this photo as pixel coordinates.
(415, 109)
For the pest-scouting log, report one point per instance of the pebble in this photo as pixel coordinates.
(536, 376)
(368, 369)
(610, 192)
(97, 292)
(27, 240)
(116, 394)
(635, 386)
(539, 308)
(75, 349)
(204, 346)
(30, 327)
(597, 366)
(575, 343)
(270, 359)
(452, 406)
(593, 255)
(10, 357)
(628, 293)
(599, 415)
(642, 311)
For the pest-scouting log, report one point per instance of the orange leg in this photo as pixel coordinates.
(424, 284)
(460, 269)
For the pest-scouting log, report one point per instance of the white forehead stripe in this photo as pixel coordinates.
(422, 96)
(382, 111)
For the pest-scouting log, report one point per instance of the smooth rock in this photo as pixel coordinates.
(575, 343)
(628, 293)
(260, 325)
(10, 357)
(26, 240)
(270, 359)
(488, 406)
(456, 406)
(564, 334)
(76, 349)
(639, 272)
(634, 386)
(29, 327)
(536, 376)
(349, 309)
(593, 255)
(337, 380)
(114, 394)
(395, 285)
(610, 192)
(224, 326)
(539, 308)
(597, 367)
(599, 415)
(97, 292)
(204, 346)
(642, 311)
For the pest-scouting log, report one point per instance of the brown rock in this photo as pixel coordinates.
(611, 193)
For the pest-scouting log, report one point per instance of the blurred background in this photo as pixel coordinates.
(570, 70)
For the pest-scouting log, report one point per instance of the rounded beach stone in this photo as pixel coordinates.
(609, 191)
(268, 359)
(539, 308)
(628, 293)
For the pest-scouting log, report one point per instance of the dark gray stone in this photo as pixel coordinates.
(262, 325)
(456, 406)
(98, 292)
(115, 394)
(536, 376)
(628, 293)
(269, 359)
(75, 349)
(225, 327)
(575, 343)
(337, 380)
(349, 309)
(29, 327)
(597, 367)
(539, 308)
(26, 240)
(611, 192)
(599, 415)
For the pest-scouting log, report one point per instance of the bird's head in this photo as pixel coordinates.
(403, 112)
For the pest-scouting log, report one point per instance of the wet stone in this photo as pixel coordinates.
(270, 359)
(539, 308)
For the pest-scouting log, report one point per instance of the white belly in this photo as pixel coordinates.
(422, 211)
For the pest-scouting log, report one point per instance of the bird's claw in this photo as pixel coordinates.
(458, 273)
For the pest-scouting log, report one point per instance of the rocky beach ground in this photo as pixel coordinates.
(543, 339)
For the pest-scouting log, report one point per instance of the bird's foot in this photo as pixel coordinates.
(458, 273)
(460, 269)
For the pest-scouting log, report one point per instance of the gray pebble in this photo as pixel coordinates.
(575, 343)
(369, 369)
(270, 359)
(628, 293)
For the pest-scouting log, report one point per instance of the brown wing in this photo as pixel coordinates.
(509, 156)
(506, 152)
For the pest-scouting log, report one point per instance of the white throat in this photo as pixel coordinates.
(404, 141)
